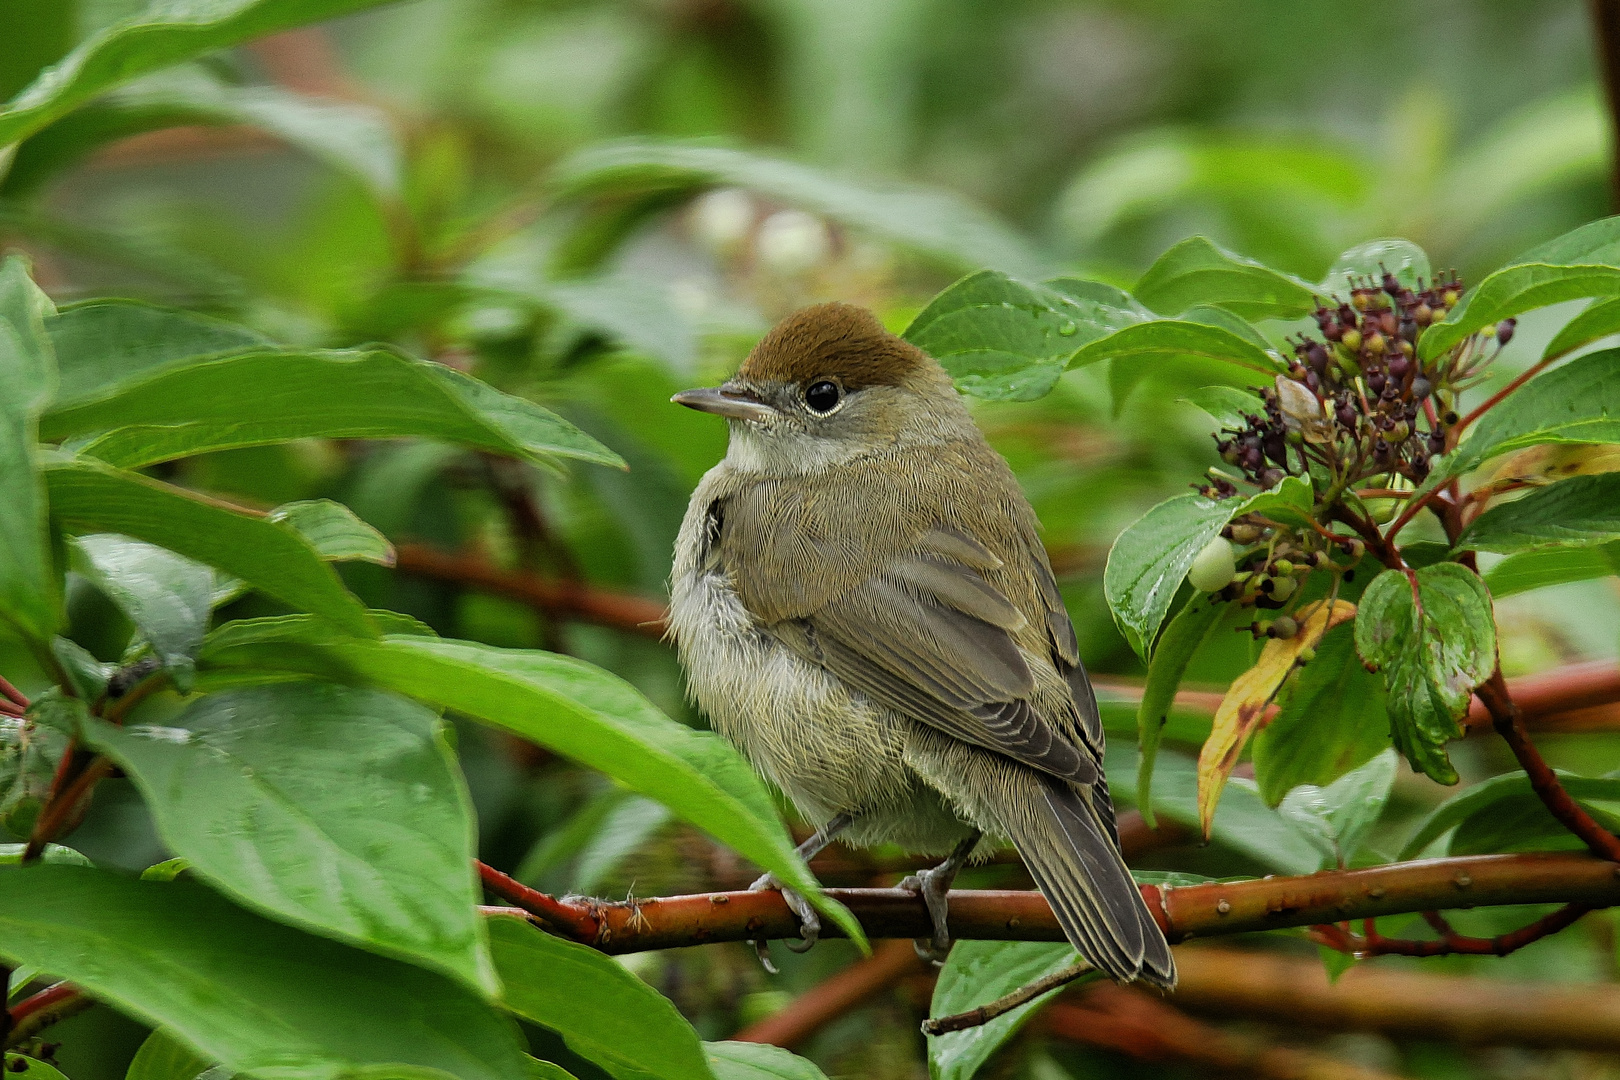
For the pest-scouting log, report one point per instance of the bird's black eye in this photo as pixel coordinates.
(823, 396)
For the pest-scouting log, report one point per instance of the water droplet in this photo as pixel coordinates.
(1068, 329)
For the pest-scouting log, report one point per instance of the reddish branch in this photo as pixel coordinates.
(1187, 912)
(34, 1014)
(1131, 1022)
(1295, 991)
(12, 694)
(1371, 943)
(558, 599)
(572, 920)
(1510, 725)
(890, 962)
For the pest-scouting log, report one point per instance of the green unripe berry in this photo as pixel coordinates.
(1283, 627)
(1214, 567)
(1282, 588)
(1351, 339)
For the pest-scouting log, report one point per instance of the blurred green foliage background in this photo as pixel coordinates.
(474, 211)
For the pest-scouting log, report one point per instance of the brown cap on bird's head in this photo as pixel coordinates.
(838, 341)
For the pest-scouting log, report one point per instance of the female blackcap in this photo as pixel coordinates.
(864, 609)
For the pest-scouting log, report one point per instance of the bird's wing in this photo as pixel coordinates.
(912, 616)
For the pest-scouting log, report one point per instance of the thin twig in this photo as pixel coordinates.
(1450, 943)
(889, 963)
(573, 919)
(12, 694)
(961, 1021)
(34, 1014)
(1505, 714)
(61, 804)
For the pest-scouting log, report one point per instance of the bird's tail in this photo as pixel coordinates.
(1074, 856)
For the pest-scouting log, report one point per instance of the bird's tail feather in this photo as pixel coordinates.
(1074, 857)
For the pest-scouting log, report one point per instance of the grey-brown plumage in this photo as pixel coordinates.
(864, 608)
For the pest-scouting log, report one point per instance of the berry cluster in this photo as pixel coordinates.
(1359, 413)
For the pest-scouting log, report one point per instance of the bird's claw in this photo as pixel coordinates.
(809, 921)
(933, 886)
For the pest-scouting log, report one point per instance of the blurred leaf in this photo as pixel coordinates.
(249, 993)
(102, 343)
(758, 1061)
(166, 596)
(1578, 402)
(546, 1070)
(1432, 655)
(1195, 273)
(1551, 566)
(1408, 262)
(1227, 405)
(90, 498)
(164, 1057)
(543, 865)
(1585, 262)
(1243, 823)
(1479, 799)
(1337, 817)
(1522, 822)
(563, 704)
(1332, 721)
(29, 589)
(1005, 340)
(37, 35)
(932, 222)
(976, 973)
(604, 1013)
(1243, 709)
(354, 139)
(265, 397)
(1599, 320)
(627, 826)
(1579, 512)
(1181, 639)
(335, 531)
(334, 809)
(1150, 559)
(159, 36)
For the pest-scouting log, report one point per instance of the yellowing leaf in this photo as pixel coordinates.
(1245, 708)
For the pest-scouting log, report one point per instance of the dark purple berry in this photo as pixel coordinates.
(1399, 365)
(1316, 355)
(1437, 442)
(1375, 381)
(1504, 330)
(1347, 416)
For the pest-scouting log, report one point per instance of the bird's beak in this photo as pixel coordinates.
(734, 403)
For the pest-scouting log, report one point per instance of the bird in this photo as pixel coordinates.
(863, 607)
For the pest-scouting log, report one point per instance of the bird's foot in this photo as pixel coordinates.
(809, 921)
(933, 886)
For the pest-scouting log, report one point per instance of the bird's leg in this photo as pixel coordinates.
(932, 886)
(809, 921)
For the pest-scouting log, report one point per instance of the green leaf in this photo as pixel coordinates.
(933, 222)
(1195, 272)
(157, 37)
(1432, 656)
(101, 344)
(1336, 817)
(354, 139)
(1479, 799)
(604, 1013)
(1333, 720)
(759, 1061)
(335, 531)
(164, 1057)
(29, 590)
(1579, 512)
(1006, 340)
(266, 397)
(167, 597)
(251, 994)
(29, 1068)
(1202, 333)
(1578, 402)
(563, 704)
(1408, 262)
(1150, 559)
(976, 973)
(1186, 632)
(1228, 406)
(1585, 262)
(1600, 320)
(339, 810)
(1540, 568)
(91, 498)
